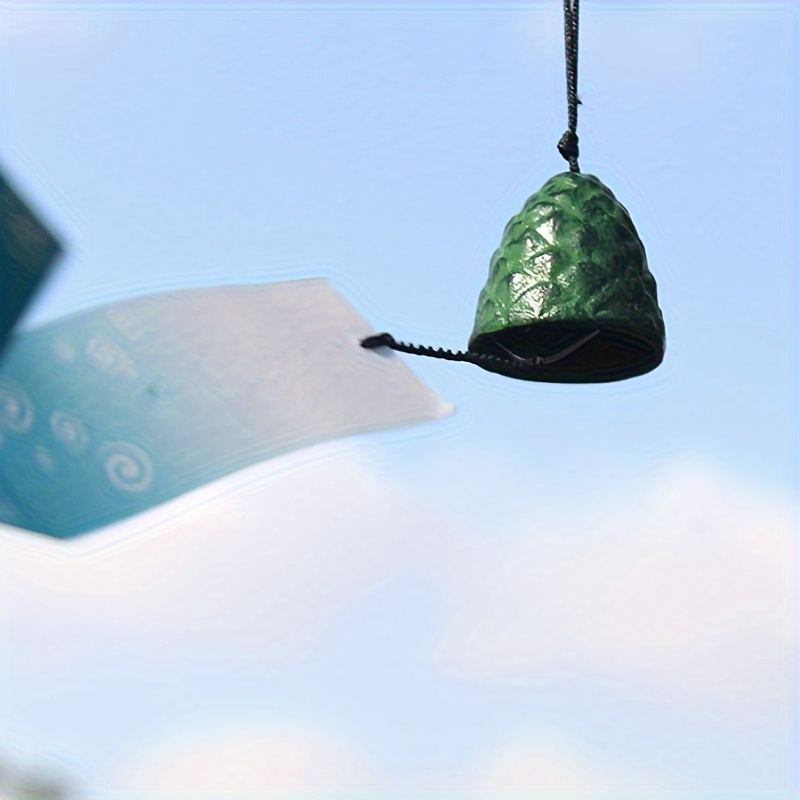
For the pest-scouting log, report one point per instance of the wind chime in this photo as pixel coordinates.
(110, 412)
(570, 298)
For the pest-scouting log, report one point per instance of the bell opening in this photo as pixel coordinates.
(613, 353)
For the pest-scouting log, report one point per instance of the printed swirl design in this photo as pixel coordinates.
(102, 353)
(44, 459)
(107, 357)
(16, 409)
(69, 430)
(127, 467)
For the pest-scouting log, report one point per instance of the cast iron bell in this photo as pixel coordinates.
(569, 297)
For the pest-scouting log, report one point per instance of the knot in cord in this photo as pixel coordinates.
(568, 146)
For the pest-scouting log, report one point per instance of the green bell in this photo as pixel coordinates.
(569, 297)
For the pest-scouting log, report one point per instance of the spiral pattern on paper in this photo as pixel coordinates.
(44, 459)
(69, 430)
(102, 353)
(128, 467)
(16, 409)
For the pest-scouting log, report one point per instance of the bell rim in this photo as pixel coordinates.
(649, 349)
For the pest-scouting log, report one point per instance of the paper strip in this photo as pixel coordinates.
(112, 411)
(27, 253)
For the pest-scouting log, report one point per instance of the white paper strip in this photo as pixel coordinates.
(112, 411)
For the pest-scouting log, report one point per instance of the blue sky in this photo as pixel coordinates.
(385, 147)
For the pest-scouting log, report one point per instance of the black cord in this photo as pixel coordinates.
(568, 144)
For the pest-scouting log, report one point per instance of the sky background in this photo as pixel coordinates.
(579, 588)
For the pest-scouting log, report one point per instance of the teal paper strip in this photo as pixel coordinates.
(112, 411)
(28, 251)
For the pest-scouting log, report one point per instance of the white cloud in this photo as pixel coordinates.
(247, 761)
(686, 586)
(240, 760)
(681, 585)
(261, 566)
(546, 763)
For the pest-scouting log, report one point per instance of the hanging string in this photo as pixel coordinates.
(568, 144)
(568, 147)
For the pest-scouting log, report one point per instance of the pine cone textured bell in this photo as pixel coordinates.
(570, 298)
